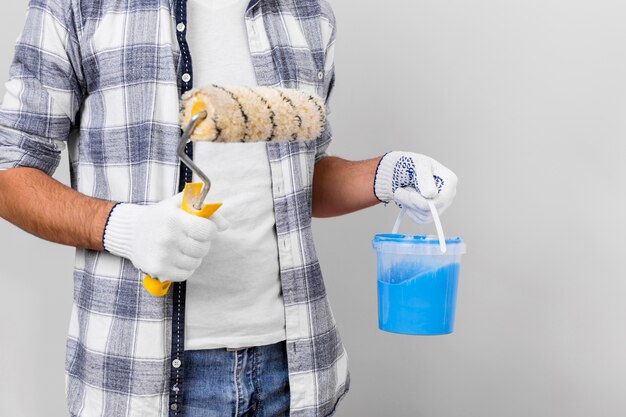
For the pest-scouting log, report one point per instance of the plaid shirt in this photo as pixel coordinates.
(105, 78)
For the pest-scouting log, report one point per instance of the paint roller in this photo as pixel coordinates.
(239, 114)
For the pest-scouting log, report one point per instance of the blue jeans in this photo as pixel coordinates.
(249, 382)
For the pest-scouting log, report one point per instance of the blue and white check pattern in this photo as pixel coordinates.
(104, 78)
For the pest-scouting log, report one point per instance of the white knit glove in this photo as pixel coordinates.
(411, 179)
(161, 239)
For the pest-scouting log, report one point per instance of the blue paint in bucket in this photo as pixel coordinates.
(417, 284)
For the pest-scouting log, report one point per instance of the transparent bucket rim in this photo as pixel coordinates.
(418, 244)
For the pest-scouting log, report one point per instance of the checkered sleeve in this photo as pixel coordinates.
(44, 92)
(329, 33)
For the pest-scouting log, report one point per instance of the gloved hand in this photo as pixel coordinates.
(161, 239)
(411, 179)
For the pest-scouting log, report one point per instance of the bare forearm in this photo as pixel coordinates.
(341, 186)
(48, 209)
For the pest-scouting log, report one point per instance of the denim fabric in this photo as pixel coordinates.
(249, 382)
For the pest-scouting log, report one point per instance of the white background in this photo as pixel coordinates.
(525, 101)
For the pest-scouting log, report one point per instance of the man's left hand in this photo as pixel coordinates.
(411, 180)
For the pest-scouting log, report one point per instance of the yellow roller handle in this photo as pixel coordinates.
(190, 194)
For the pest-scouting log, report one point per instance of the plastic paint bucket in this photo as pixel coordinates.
(417, 283)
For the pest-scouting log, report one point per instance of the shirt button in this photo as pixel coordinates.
(320, 75)
(176, 363)
(174, 407)
(186, 77)
(180, 27)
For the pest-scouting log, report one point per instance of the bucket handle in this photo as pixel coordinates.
(433, 210)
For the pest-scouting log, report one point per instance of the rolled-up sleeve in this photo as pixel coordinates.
(329, 33)
(44, 90)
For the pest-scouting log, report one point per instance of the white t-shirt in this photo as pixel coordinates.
(234, 299)
(218, 41)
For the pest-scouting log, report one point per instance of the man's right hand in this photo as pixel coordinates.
(161, 239)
